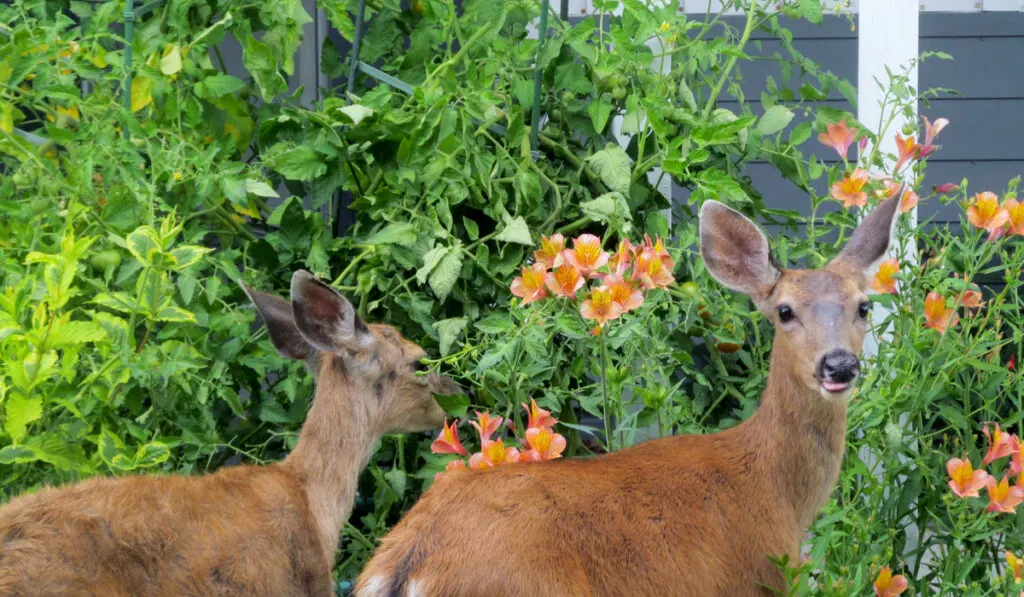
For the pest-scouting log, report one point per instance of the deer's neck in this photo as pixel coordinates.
(335, 445)
(802, 437)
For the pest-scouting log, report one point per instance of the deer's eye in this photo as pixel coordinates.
(418, 366)
(786, 313)
(863, 309)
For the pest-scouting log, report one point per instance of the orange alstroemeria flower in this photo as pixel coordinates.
(537, 416)
(586, 255)
(624, 293)
(931, 130)
(564, 281)
(600, 306)
(550, 251)
(486, 425)
(1000, 444)
(963, 479)
(884, 281)
(622, 258)
(1015, 209)
(850, 190)
(908, 201)
(492, 454)
(544, 444)
(447, 441)
(986, 213)
(971, 299)
(839, 137)
(1015, 566)
(1002, 497)
(657, 247)
(887, 585)
(908, 150)
(1016, 458)
(530, 286)
(651, 270)
(936, 315)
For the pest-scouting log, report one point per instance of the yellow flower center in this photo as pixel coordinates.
(532, 279)
(620, 292)
(542, 441)
(587, 254)
(962, 474)
(601, 298)
(495, 452)
(566, 276)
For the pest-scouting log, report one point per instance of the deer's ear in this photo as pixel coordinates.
(326, 319)
(735, 251)
(870, 241)
(277, 316)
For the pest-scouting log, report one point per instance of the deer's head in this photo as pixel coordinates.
(370, 363)
(820, 316)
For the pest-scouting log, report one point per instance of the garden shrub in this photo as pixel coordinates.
(126, 345)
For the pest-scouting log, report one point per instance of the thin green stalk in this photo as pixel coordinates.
(604, 393)
(748, 28)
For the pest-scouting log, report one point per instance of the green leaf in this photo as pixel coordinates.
(74, 333)
(430, 260)
(170, 63)
(18, 455)
(297, 162)
(220, 85)
(272, 412)
(142, 93)
(21, 412)
(774, 120)
(188, 255)
(527, 186)
(599, 110)
(355, 113)
(471, 227)
(800, 133)
(443, 277)
(495, 323)
(455, 404)
(259, 188)
(395, 233)
(611, 208)
(812, 10)
(448, 330)
(151, 454)
(144, 244)
(516, 231)
(612, 165)
(173, 314)
(396, 479)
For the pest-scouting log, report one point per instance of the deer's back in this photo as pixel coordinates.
(241, 531)
(688, 515)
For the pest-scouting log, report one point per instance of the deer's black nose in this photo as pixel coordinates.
(839, 366)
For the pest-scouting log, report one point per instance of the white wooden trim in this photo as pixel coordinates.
(839, 6)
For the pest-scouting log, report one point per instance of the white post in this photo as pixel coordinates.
(888, 38)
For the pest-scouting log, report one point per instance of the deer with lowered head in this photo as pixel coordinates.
(243, 530)
(690, 515)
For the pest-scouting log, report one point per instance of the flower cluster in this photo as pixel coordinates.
(937, 314)
(852, 190)
(540, 442)
(985, 212)
(965, 480)
(620, 278)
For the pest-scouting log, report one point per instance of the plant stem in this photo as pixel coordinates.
(748, 28)
(604, 393)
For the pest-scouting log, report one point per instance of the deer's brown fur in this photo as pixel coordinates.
(693, 515)
(244, 530)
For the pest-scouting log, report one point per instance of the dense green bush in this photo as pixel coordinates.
(126, 345)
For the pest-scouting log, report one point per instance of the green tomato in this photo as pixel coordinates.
(619, 93)
(105, 260)
(567, 96)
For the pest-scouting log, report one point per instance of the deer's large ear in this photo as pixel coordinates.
(870, 241)
(735, 251)
(277, 316)
(326, 319)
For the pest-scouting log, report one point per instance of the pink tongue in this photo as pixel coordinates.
(833, 386)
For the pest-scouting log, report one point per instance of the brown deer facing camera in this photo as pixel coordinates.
(244, 530)
(691, 515)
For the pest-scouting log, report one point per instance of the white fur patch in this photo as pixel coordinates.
(375, 587)
(415, 589)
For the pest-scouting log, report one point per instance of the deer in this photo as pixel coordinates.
(243, 530)
(687, 515)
